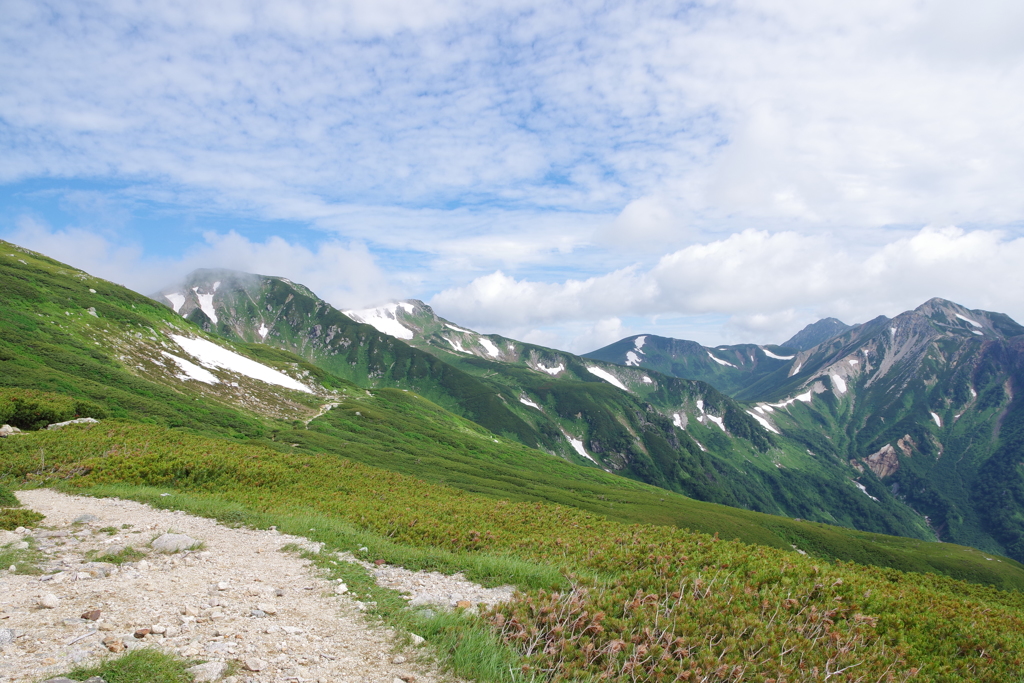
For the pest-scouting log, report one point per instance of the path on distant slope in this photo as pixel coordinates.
(203, 600)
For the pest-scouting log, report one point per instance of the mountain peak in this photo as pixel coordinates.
(816, 333)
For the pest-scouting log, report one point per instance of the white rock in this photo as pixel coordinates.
(254, 664)
(173, 543)
(341, 589)
(268, 607)
(223, 585)
(417, 640)
(210, 671)
(49, 601)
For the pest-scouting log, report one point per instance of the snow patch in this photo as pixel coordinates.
(384, 319)
(853, 361)
(980, 334)
(806, 398)
(578, 445)
(216, 285)
(763, 422)
(776, 357)
(551, 371)
(865, 490)
(607, 377)
(457, 329)
(177, 301)
(720, 361)
(796, 369)
(527, 402)
(938, 420)
(677, 420)
(839, 383)
(489, 347)
(639, 342)
(974, 394)
(700, 405)
(647, 380)
(718, 421)
(190, 370)
(456, 344)
(213, 356)
(206, 303)
(700, 445)
(632, 359)
(968, 320)
(263, 330)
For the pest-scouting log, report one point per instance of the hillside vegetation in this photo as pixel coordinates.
(633, 602)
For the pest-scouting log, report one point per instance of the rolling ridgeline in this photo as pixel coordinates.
(619, 582)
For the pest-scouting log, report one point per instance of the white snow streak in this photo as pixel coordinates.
(966, 319)
(772, 355)
(647, 380)
(551, 371)
(263, 331)
(718, 421)
(853, 361)
(607, 377)
(639, 342)
(457, 329)
(206, 303)
(632, 359)
(764, 423)
(980, 334)
(528, 402)
(677, 420)
(213, 356)
(456, 344)
(700, 405)
(864, 489)
(384, 318)
(938, 420)
(796, 369)
(489, 347)
(839, 383)
(177, 301)
(578, 445)
(720, 361)
(700, 445)
(974, 394)
(192, 371)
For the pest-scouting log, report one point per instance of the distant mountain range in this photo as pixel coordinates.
(924, 401)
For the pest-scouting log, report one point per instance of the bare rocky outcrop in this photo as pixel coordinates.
(884, 461)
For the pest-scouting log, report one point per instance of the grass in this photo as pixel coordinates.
(139, 666)
(25, 560)
(127, 554)
(12, 518)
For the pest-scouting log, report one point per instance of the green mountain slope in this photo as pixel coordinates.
(921, 405)
(59, 357)
(681, 435)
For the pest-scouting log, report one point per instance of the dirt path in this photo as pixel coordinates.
(202, 601)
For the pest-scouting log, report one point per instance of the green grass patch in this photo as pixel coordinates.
(12, 518)
(24, 560)
(7, 498)
(127, 554)
(138, 666)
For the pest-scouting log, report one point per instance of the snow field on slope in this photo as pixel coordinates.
(489, 347)
(763, 422)
(719, 360)
(551, 371)
(192, 371)
(578, 445)
(177, 300)
(607, 377)
(776, 357)
(384, 319)
(212, 355)
(206, 303)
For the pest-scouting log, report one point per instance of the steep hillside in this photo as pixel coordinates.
(922, 405)
(680, 435)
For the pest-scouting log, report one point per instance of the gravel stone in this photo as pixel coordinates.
(317, 634)
(173, 543)
(211, 671)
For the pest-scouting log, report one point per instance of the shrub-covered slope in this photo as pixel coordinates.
(637, 602)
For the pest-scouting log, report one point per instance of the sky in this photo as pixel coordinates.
(561, 172)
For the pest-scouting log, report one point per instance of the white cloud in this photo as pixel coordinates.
(345, 275)
(769, 283)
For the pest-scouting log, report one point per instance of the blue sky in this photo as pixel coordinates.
(562, 172)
